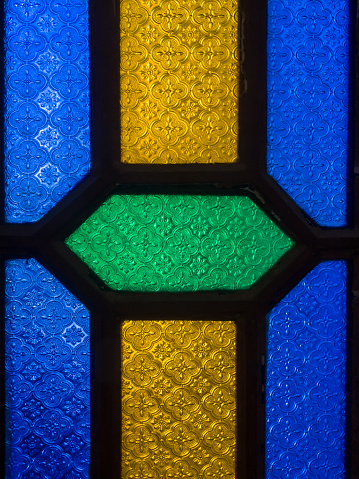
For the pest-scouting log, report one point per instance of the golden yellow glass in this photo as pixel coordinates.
(179, 75)
(179, 399)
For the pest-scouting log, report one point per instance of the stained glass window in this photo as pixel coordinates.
(308, 96)
(47, 111)
(47, 375)
(179, 243)
(179, 81)
(179, 398)
(306, 377)
(179, 265)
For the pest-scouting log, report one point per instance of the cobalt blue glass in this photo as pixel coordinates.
(47, 376)
(306, 378)
(47, 130)
(307, 109)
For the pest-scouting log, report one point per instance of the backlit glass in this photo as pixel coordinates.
(47, 107)
(179, 243)
(308, 94)
(179, 81)
(47, 375)
(179, 399)
(306, 378)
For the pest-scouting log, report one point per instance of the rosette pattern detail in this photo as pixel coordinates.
(179, 399)
(306, 378)
(179, 243)
(47, 375)
(47, 140)
(179, 81)
(308, 95)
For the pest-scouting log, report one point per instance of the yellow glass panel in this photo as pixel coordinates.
(179, 81)
(179, 399)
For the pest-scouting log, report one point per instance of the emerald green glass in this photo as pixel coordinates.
(179, 243)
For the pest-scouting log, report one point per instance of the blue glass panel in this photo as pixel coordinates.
(47, 374)
(308, 59)
(47, 148)
(305, 391)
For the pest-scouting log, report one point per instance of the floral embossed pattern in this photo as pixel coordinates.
(47, 369)
(179, 243)
(179, 399)
(308, 88)
(306, 378)
(47, 147)
(179, 81)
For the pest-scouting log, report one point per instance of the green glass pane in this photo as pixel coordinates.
(179, 243)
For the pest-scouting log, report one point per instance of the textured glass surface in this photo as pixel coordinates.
(179, 243)
(179, 81)
(47, 148)
(308, 61)
(306, 378)
(179, 399)
(47, 366)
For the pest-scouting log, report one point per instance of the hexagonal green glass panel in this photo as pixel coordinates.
(179, 243)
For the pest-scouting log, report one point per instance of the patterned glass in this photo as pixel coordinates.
(179, 81)
(308, 84)
(306, 378)
(179, 243)
(47, 366)
(179, 399)
(47, 148)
